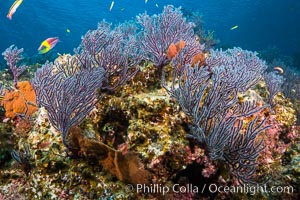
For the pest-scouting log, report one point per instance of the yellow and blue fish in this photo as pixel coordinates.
(234, 27)
(48, 44)
(13, 8)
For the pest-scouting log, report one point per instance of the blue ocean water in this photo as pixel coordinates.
(261, 23)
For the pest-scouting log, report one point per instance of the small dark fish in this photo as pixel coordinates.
(20, 115)
(16, 156)
(23, 159)
(31, 103)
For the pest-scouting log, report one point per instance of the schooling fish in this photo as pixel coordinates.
(47, 45)
(13, 8)
(234, 27)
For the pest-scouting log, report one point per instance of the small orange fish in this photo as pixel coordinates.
(14, 8)
(47, 45)
(279, 69)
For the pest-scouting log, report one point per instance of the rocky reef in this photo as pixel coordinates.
(137, 135)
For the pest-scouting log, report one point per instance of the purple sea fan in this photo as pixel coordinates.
(115, 50)
(243, 69)
(160, 31)
(242, 150)
(13, 55)
(291, 85)
(209, 95)
(67, 99)
(274, 84)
